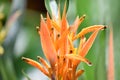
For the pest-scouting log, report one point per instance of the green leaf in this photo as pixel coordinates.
(100, 67)
(47, 5)
(25, 74)
(59, 2)
(62, 4)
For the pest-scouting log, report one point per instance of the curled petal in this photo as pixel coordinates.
(35, 64)
(89, 29)
(89, 42)
(43, 62)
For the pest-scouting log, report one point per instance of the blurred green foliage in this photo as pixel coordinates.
(101, 12)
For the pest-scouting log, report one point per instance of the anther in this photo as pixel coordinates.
(105, 27)
(38, 57)
(84, 16)
(58, 35)
(52, 28)
(58, 57)
(71, 51)
(38, 29)
(64, 59)
(25, 59)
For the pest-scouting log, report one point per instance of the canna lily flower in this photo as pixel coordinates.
(57, 38)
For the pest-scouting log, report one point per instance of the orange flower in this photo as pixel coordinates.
(57, 39)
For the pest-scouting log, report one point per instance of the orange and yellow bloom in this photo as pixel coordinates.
(57, 38)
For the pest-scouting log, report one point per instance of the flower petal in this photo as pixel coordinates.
(79, 58)
(82, 42)
(88, 29)
(49, 24)
(61, 40)
(89, 43)
(110, 74)
(35, 64)
(56, 26)
(45, 64)
(64, 24)
(47, 44)
(77, 23)
(78, 73)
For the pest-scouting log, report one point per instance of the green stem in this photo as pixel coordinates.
(7, 69)
(2, 70)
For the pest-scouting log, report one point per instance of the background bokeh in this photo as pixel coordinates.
(22, 38)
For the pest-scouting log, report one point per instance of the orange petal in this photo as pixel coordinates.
(49, 25)
(89, 43)
(60, 41)
(110, 74)
(64, 24)
(88, 29)
(70, 43)
(43, 62)
(78, 73)
(47, 44)
(64, 42)
(56, 26)
(35, 64)
(76, 24)
(77, 57)
(82, 42)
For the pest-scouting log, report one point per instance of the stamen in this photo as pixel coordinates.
(58, 35)
(56, 26)
(25, 59)
(105, 27)
(52, 29)
(71, 51)
(83, 17)
(58, 57)
(43, 62)
(38, 28)
(64, 59)
(88, 63)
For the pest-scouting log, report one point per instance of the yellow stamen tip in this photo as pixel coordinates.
(84, 16)
(41, 16)
(105, 27)
(38, 28)
(25, 59)
(38, 57)
(89, 64)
